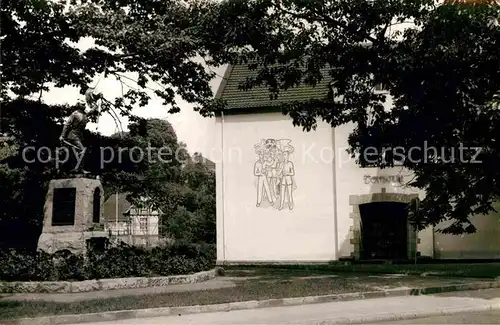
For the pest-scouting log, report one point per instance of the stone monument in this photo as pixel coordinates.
(73, 206)
(73, 211)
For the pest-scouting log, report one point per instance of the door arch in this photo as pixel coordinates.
(356, 238)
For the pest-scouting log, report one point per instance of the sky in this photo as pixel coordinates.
(193, 129)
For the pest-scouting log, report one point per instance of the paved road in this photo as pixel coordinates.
(486, 317)
(361, 311)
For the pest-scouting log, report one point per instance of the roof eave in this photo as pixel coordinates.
(223, 83)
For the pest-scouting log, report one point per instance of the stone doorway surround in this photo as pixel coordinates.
(355, 230)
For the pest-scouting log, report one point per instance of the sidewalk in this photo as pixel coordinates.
(222, 294)
(217, 283)
(344, 312)
(338, 284)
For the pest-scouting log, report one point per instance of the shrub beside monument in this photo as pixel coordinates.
(115, 262)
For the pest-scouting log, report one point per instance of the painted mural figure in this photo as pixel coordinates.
(262, 181)
(287, 181)
(274, 152)
(275, 173)
(270, 166)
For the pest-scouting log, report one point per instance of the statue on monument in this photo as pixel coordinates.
(72, 133)
(73, 205)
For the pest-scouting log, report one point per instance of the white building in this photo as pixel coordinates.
(132, 225)
(326, 195)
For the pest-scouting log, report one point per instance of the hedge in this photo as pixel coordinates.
(116, 262)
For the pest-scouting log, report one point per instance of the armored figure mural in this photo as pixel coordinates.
(275, 173)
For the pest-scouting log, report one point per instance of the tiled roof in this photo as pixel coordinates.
(260, 96)
(109, 210)
(210, 164)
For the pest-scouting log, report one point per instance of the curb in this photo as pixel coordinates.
(105, 284)
(407, 316)
(253, 304)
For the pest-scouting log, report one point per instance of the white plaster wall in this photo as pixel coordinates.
(249, 233)
(217, 158)
(350, 181)
(426, 245)
(307, 233)
(485, 243)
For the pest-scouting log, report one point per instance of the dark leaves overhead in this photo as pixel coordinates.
(442, 72)
(156, 40)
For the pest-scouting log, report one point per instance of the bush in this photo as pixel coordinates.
(182, 258)
(116, 262)
(67, 266)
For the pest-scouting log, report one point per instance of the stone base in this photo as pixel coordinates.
(84, 204)
(75, 242)
(73, 233)
(80, 175)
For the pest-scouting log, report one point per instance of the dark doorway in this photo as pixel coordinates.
(384, 230)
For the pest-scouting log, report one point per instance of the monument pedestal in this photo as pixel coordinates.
(73, 207)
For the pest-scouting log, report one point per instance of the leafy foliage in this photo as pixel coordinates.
(25, 176)
(166, 176)
(180, 186)
(116, 262)
(442, 72)
(153, 145)
(155, 42)
(191, 209)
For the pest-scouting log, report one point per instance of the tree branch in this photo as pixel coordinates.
(322, 17)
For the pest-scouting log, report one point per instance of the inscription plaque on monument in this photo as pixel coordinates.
(64, 203)
(71, 207)
(96, 208)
